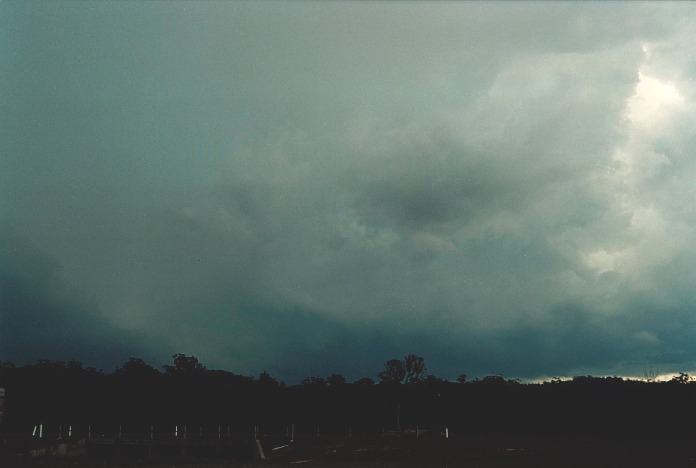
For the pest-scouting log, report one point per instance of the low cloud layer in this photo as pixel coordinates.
(308, 188)
(44, 317)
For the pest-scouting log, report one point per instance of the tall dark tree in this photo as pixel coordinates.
(409, 370)
(184, 366)
(394, 372)
(414, 367)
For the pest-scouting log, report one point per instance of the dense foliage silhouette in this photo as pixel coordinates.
(137, 395)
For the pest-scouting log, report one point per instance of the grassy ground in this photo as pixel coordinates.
(540, 452)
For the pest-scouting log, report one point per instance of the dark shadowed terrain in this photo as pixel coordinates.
(580, 452)
(62, 414)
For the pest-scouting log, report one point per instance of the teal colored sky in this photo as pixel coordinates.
(310, 187)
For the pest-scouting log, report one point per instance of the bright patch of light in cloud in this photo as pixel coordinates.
(654, 102)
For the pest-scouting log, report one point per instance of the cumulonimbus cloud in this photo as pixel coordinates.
(491, 185)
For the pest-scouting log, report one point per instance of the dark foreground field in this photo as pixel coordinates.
(532, 452)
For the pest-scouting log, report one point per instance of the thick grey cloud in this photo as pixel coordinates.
(43, 317)
(312, 187)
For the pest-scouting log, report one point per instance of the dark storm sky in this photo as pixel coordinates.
(317, 187)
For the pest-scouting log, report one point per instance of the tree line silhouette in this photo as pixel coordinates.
(404, 396)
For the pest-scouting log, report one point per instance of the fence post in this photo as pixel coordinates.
(117, 445)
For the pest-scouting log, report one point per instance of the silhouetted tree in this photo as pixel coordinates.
(335, 380)
(184, 366)
(393, 372)
(61, 392)
(266, 379)
(431, 379)
(364, 382)
(409, 370)
(74, 365)
(462, 378)
(492, 380)
(681, 378)
(48, 364)
(314, 382)
(5, 368)
(137, 368)
(414, 367)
